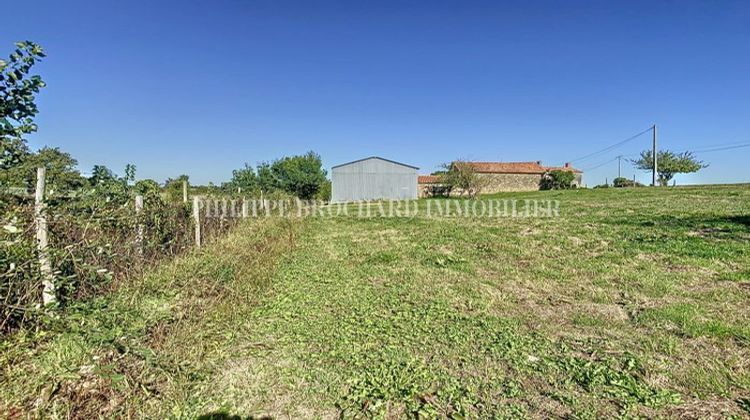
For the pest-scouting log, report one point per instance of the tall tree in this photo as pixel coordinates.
(668, 164)
(17, 103)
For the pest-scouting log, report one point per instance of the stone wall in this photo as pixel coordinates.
(510, 182)
(504, 183)
(422, 190)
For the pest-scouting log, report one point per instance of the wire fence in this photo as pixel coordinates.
(95, 242)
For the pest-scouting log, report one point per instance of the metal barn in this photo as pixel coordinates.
(373, 178)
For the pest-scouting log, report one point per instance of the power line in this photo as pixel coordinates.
(734, 143)
(608, 148)
(716, 149)
(600, 165)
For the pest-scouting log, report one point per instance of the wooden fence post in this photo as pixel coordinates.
(45, 267)
(184, 192)
(197, 221)
(139, 225)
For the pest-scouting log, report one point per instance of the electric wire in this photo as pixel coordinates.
(610, 147)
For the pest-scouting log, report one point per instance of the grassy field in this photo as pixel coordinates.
(632, 303)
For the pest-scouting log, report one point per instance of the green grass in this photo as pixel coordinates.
(631, 303)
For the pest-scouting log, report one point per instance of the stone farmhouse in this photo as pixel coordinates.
(505, 176)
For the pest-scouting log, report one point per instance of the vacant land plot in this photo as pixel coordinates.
(632, 302)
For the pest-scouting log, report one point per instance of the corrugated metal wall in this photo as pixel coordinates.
(373, 179)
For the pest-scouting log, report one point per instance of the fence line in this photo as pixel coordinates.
(63, 247)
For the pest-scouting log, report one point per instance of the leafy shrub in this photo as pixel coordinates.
(621, 182)
(438, 190)
(92, 244)
(324, 193)
(18, 268)
(557, 180)
(302, 176)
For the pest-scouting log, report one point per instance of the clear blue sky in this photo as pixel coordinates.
(200, 87)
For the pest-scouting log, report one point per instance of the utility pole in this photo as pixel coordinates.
(619, 166)
(653, 173)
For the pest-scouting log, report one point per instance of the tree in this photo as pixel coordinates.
(668, 164)
(299, 175)
(266, 178)
(557, 180)
(243, 178)
(129, 172)
(62, 174)
(460, 175)
(17, 102)
(101, 175)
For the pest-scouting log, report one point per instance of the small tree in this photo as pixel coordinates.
(129, 173)
(461, 176)
(18, 108)
(557, 180)
(300, 175)
(243, 178)
(62, 174)
(101, 175)
(668, 164)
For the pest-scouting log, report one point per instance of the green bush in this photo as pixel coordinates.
(557, 180)
(92, 242)
(621, 182)
(302, 176)
(324, 193)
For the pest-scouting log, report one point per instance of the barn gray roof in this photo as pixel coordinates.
(374, 157)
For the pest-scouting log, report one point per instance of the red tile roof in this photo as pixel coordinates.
(428, 179)
(516, 167)
(504, 168)
(564, 168)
